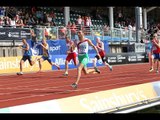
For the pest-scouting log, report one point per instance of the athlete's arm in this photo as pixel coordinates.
(91, 44)
(45, 47)
(27, 47)
(157, 44)
(73, 46)
(101, 48)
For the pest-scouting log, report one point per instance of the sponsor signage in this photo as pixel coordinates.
(139, 47)
(125, 58)
(14, 33)
(92, 102)
(11, 65)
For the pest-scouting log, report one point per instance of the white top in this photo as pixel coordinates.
(83, 47)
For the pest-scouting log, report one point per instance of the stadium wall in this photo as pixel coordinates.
(57, 49)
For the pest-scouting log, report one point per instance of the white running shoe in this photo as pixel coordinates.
(111, 68)
(20, 73)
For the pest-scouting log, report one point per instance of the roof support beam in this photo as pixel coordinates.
(151, 8)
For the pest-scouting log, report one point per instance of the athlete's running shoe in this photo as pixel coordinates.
(151, 69)
(111, 68)
(97, 70)
(20, 73)
(157, 71)
(74, 85)
(65, 74)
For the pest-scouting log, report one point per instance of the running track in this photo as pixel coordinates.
(37, 87)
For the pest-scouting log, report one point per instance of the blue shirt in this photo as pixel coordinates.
(26, 52)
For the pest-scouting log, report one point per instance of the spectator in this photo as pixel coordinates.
(79, 22)
(73, 29)
(69, 25)
(13, 22)
(1, 21)
(19, 21)
(31, 20)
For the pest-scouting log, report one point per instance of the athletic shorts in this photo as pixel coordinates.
(103, 58)
(47, 58)
(102, 53)
(29, 58)
(71, 56)
(156, 56)
(83, 59)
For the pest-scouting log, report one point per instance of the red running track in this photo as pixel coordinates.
(36, 87)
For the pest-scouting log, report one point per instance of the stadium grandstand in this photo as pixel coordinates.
(116, 26)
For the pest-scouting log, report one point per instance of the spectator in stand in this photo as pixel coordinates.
(120, 16)
(45, 20)
(106, 29)
(49, 19)
(7, 21)
(79, 22)
(1, 21)
(73, 29)
(19, 21)
(87, 25)
(90, 21)
(2, 11)
(13, 22)
(69, 25)
(31, 20)
(33, 10)
(39, 16)
(134, 27)
(83, 21)
(63, 32)
(53, 16)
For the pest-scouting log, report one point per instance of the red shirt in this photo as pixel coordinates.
(155, 48)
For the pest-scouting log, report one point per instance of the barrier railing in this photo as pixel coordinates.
(128, 108)
(59, 32)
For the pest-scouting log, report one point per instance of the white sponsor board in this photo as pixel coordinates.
(89, 103)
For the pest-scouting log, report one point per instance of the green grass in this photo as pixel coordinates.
(155, 109)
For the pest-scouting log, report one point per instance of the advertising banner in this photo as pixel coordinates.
(14, 33)
(92, 102)
(60, 59)
(126, 58)
(58, 47)
(140, 47)
(11, 65)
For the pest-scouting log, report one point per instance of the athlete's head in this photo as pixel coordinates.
(98, 39)
(67, 38)
(24, 41)
(80, 35)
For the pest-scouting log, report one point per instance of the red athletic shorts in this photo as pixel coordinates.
(71, 56)
(102, 53)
